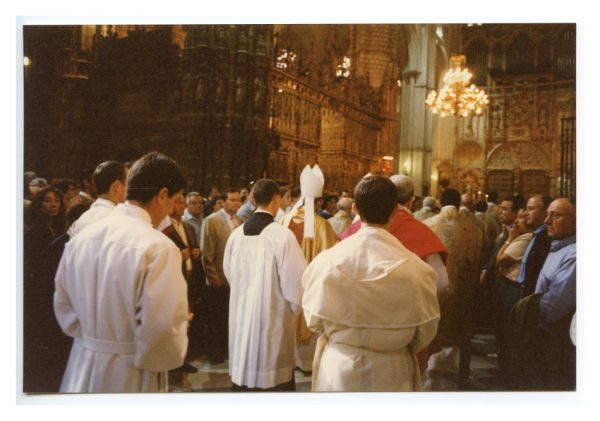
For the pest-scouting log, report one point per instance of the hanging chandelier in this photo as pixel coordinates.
(457, 97)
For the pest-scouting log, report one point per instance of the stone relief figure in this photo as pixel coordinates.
(259, 92)
(543, 116)
(240, 90)
(496, 117)
(220, 92)
(261, 47)
(221, 38)
(243, 42)
(201, 92)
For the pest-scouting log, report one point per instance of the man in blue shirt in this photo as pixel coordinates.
(557, 278)
(555, 368)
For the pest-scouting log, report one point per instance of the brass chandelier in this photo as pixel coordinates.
(457, 97)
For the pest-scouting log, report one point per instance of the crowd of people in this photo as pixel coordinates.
(129, 276)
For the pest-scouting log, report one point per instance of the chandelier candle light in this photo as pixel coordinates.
(457, 97)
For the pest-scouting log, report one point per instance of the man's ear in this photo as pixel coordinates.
(116, 186)
(163, 194)
(354, 210)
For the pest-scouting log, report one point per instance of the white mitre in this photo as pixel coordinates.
(312, 181)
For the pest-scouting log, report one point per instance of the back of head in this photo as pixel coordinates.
(405, 186)
(295, 193)
(345, 204)
(150, 174)
(481, 206)
(376, 199)
(450, 197)
(107, 173)
(264, 191)
(518, 202)
(466, 200)
(429, 202)
(38, 182)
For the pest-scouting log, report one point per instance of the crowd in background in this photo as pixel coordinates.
(504, 266)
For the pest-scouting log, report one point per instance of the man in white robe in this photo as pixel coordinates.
(372, 302)
(263, 264)
(109, 179)
(120, 292)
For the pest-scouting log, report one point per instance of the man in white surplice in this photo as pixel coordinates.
(372, 302)
(263, 264)
(120, 292)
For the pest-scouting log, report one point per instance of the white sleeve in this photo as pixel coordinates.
(435, 261)
(161, 333)
(63, 308)
(291, 265)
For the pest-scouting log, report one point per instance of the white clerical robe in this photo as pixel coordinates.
(264, 273)
(100, 209)
(121, 295)
(374, 304)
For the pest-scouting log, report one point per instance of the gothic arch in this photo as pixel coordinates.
(524, 155)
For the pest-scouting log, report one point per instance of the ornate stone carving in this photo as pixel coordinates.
(525, 155)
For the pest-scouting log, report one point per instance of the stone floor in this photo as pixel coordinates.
(215, 378)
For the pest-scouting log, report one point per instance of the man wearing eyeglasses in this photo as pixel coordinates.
(557, 284)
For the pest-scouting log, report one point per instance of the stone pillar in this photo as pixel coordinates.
(416, 131)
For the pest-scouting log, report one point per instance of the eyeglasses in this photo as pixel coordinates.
(555, 215)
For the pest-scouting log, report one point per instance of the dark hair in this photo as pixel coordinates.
(264, 191)
(284, 189)
(295, 192)
(63, 184)
(230, 190)
(35, 216)
(27, 177)
(518, 202)
(492, 197)
(107, 173)
(481, 206)
(85, 175)
(150, 174)
(375, 198)
(326, 199)
(450, 197)
(546, 200)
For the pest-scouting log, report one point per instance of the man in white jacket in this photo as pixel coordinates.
(120, 292)
(372, 302)
(263, 264)
(109, 179)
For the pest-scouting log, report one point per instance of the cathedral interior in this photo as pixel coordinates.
(234, 103)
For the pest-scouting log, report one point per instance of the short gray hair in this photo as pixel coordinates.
(405, 186)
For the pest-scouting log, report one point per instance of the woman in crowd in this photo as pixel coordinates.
(43, 341)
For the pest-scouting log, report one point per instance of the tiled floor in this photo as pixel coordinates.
(215, 378)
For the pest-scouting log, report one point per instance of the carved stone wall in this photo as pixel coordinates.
(345, 124)
(530, 72)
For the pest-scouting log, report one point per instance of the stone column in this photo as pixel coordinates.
(415, 129)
